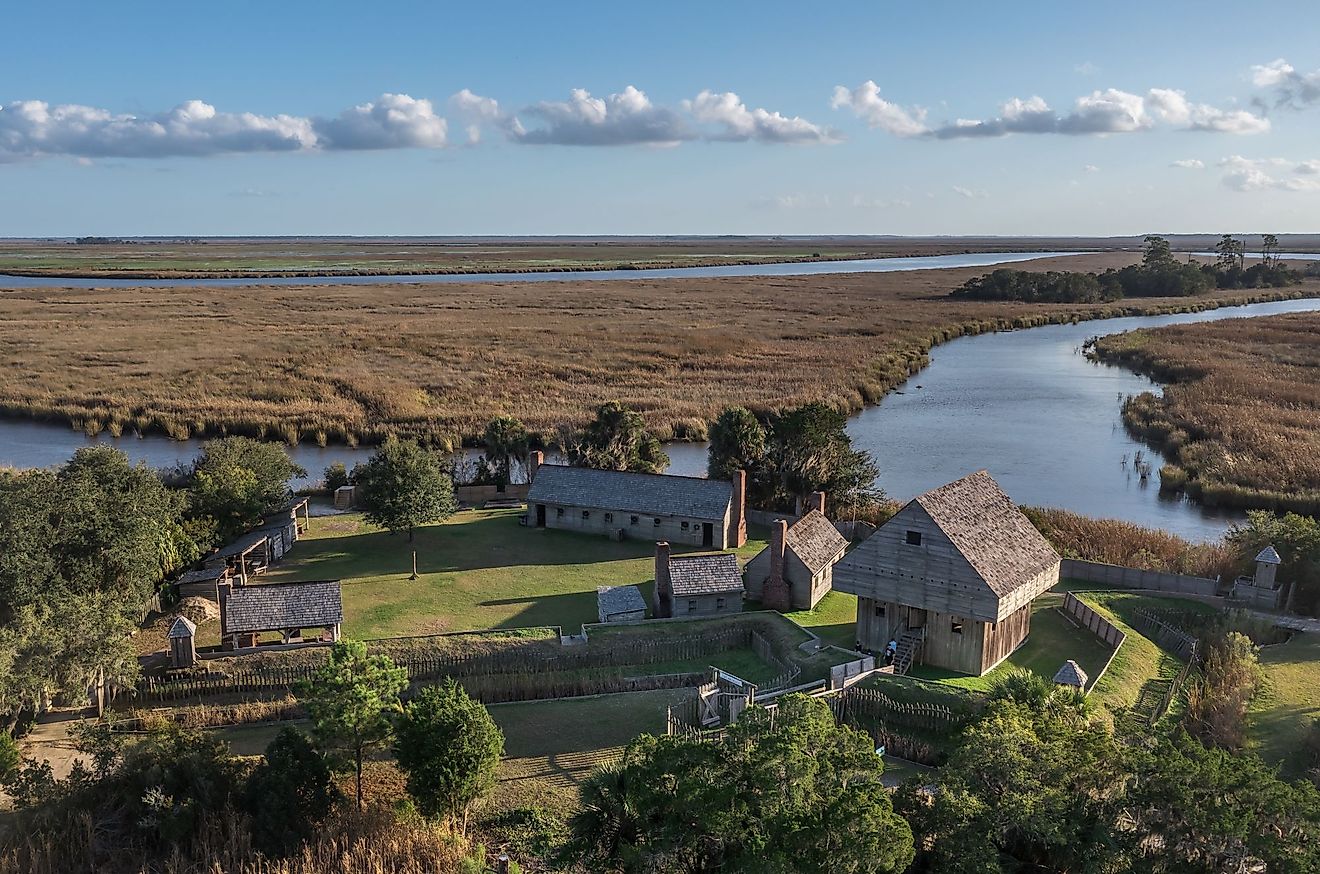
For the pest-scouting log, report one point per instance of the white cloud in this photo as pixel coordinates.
(1086, 68)
(1263, 174)
(1290, 87)
(969, 193)
(740, 123)
(1189, 164)
(34, 128)
(626, 118)
(867, 104)
(1110, 111)
(1091, 168)
(394, 121)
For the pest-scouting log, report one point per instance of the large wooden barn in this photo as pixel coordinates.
(642, 506)
(952, 575)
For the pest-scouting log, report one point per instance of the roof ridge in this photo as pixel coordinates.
(704, 479)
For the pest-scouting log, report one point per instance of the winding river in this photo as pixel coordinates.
(1026, 405)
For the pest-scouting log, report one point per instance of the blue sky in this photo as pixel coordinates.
(430, 118)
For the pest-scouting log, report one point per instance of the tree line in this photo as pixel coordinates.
(1159, 274)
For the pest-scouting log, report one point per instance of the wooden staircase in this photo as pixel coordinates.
(909, 647)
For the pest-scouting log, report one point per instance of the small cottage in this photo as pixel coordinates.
(247, 612)
(644, 506)
(696, 585)
(620, 604)
(951, 577)
(796, 570)
(183, 643)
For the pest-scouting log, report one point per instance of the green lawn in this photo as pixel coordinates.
(478, 570)
(1053, 640)
(834, 619)
(1282, 713)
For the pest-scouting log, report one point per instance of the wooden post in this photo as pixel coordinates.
(414, 573)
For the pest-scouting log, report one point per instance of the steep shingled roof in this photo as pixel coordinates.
(613, 600)
(705, 575)
(1269, 555)
(988, 529)
(1071, 674)
(815, 541)
(625, 491)
(283, 605)
(183, 627)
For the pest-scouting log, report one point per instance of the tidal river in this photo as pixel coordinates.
(1026, 405)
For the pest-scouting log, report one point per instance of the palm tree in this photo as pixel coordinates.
(506, 441)
(607, 826)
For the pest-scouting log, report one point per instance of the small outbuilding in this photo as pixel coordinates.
(696, 585)
(1071, 674)
(183, 643)
(247, 612)
(620, 603)
(796, 570)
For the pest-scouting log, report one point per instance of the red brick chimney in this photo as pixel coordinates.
(775, 595)
(664, 595)
(817, 502)
(535, 459)
(738, 513)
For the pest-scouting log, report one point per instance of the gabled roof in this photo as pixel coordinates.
(241, 545)
(815, 541)
(612, 600)
(644, 493)
(988, 529)
(1071, 674)
(1269, 555)
(203, 575)
(704, 574)
(283, 605)
(182, 627)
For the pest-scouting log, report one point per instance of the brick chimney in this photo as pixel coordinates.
(738, 513)
(664, 596)
(775, 595)
(535, 459)
(222, 590)
(817, 502)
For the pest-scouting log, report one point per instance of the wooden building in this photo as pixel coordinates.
(183, 643)
(247, 612)
(696, 585)
(643, 506)
(620, 604)
(951, 577)
(796, 570)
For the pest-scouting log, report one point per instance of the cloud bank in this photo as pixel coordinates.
(1270, 174)
(1289, 87)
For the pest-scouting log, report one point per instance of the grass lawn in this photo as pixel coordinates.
(478, 570)
(1053, 640)
(834, 619)
(1282, 713)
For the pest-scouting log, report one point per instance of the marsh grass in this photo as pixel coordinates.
(1240, 418)
(345, 364)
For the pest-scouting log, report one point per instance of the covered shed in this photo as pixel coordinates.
(953, 575)
(1071, 674)
(796, 570)
(246, 612)
(620, 603)
(183, 643)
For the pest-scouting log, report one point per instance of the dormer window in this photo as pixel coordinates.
(914, 538)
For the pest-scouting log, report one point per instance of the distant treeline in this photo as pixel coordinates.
(1158, 275)
(120, 241)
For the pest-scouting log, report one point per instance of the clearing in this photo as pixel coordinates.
(1282, 714)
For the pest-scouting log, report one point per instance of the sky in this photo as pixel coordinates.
(1023, 118)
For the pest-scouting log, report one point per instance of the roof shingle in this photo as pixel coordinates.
(705, 575)
(283, 605)
(815, 541)
(645, 493)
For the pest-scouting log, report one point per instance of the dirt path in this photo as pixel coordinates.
(50, 741)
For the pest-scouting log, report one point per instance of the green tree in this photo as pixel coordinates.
(1297, 539)
(1269, 250)
(811, 451)
(792, 791)
(1231, 253)
(617, 439)
(449, 747)
(737, 442)
(506, 441)
(237, 480)
(336, 475)
(404, 485)
(289, 794)
(1218, 698)
(1158, 255)
(350, 699)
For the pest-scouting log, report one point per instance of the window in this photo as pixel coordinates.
(719, 603)
(609, 517)
(559, 511)
(632, 520)
(914, 538)
(956, 626)
(880, 610)
(657, 521)
(684, 526)
(586, 514)
(692, 605)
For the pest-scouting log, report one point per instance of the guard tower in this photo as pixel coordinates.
(1267, 565)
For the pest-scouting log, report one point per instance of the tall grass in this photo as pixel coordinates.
(1114, 541)
(1240, 419)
